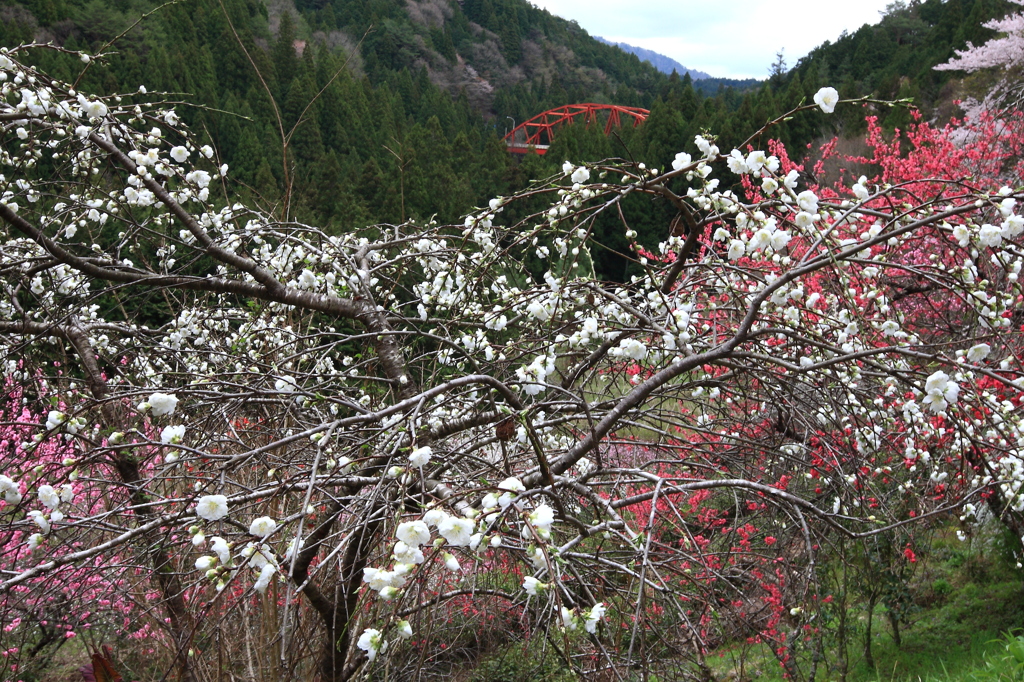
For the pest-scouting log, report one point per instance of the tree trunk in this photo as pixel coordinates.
(868, 658)
(894, 622)
(843, 633)
(127, 467)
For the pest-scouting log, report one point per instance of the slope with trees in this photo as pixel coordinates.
(373, 97)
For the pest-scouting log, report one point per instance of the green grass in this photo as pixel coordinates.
(521, 663)
(959, 635)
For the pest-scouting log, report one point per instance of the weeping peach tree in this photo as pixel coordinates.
(296, 454)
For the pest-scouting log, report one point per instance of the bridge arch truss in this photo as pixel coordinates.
(537, 133)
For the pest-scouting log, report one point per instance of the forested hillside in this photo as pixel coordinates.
(415, 95)
(894, 58)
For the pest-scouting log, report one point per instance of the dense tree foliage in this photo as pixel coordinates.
(893, 59)
(383, 101)
(1002, 54)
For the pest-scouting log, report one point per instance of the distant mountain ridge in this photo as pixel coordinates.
(657, 60)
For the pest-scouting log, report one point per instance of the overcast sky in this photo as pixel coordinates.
(725, 38)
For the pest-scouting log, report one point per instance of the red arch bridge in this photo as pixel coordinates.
(539, 132)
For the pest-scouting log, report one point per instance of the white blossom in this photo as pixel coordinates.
(40, 520)
(736, 249)
(594, 616)
(162, 404)
(450, 562)
(978, 352)
(533, 586)
(456, 531)
(222, 549)
(542, 517)
(990, 235)
(172, 434)
(48, 496)
(413, 533)
(212, 507)
(826, 99)
(434, 517)
(962, 235)
(179, 154)
(406, 554)
(10, 490)
(737, 163)
(404, 629)
(860, 190)
(262, 526)
(420, 456)
(370, 642)
(266, 575)
(939, 392)
(54, 419)
(808, 201)
(285, 384)
(92, 108)
(1012, 226)
(580, 175)
(509, 487)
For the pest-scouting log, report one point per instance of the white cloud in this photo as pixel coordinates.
(732, 38)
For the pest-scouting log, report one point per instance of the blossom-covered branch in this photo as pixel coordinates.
(369, 430)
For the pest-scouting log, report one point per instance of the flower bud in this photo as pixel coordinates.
(404, 629)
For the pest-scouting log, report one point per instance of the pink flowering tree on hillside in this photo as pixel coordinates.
(1005, 52)
(354, 452)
